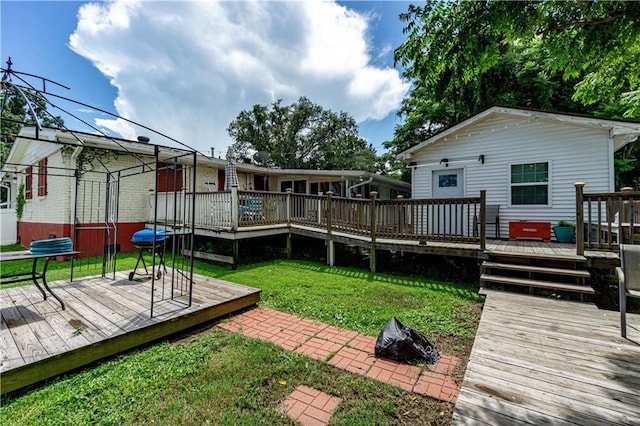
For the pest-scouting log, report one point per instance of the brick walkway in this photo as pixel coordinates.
(310, 406)
(347, 350)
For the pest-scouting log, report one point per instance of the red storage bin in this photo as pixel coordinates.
(530, 230)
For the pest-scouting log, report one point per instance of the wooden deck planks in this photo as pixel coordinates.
(545, 361)
(103, 317)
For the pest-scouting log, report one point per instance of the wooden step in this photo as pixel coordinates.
(536, 283)
(531, 255)
(537, 269)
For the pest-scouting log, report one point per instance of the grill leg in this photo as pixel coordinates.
(135, 268)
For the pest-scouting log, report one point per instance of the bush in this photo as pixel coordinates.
(566, 223)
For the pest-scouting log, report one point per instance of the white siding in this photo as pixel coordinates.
(133, 191)
(204, 174)
(55, 207)
(574, 154)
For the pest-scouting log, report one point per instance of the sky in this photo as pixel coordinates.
(187, 68)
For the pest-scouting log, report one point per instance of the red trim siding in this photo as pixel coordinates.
(88, 241)
(30, 231)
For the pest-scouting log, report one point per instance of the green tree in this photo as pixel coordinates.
(16, 114)
(302, 135)
(569, 56)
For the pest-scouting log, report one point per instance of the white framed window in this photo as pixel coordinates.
(529, 184)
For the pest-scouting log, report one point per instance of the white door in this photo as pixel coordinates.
(447, 184)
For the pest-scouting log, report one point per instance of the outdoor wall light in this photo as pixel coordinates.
(445, 161)
(481, 158)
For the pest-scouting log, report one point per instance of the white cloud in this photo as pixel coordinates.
(187, 69)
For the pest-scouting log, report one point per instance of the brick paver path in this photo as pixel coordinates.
(346, 349)
(310, 406)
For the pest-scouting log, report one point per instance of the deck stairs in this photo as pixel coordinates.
(535, 270)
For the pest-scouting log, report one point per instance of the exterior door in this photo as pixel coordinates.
(447, 219)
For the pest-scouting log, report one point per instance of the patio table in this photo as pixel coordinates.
(34, 275)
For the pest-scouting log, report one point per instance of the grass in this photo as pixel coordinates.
(356, 299)
(11, 247)
(61, 270)
(215, 377)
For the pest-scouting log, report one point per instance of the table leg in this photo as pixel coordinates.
(44, 281)
(34, 277)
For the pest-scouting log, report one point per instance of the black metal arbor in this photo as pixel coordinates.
(106, 185)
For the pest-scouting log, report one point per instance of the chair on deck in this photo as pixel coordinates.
(628, 280)
(493, 219)
(252, 208)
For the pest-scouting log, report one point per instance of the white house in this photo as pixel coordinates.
(58, 203)
(527, 161)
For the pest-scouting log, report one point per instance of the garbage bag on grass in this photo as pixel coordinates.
(402, 343)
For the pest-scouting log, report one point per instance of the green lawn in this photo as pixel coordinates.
(215, 377)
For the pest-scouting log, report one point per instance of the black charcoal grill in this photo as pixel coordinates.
(144, 240)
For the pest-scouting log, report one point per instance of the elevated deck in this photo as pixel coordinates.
(104, 317)
(517, 248)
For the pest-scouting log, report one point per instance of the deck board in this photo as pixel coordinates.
(545, 361)
(104, 317)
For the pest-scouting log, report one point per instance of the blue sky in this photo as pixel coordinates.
(187, 69)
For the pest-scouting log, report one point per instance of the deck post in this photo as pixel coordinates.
(289, 206)
(483, 219)
(289, 245)
(235, 206)
(360, 212)
(372, 250)
(236, 250)
(579, 218)
(330, 245)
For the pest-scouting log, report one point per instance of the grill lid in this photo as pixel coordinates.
(146, 236)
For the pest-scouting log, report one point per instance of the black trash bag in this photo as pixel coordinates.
(402, 343)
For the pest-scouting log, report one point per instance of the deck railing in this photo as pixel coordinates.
(456, 220)
(603, 220)
(257, 208)
(606, 220)
(437, 219)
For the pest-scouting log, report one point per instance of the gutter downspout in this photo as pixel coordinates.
(349, 188)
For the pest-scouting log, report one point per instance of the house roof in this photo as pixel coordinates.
(622, 132)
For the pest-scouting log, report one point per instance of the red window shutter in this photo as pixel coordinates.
(28, 182)
(42, 177)
(169, 177)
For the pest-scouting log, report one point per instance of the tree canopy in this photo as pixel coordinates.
(568, 56)
(302, 135)
(16, 114)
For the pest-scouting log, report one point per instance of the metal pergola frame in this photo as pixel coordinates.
(183, 159)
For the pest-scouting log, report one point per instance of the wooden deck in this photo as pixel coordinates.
(543, 361)
(104, 317)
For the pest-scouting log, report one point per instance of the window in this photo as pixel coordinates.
(28, 183)
(530, 184)
(297, 186)
(42, 177)
(448, 181)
